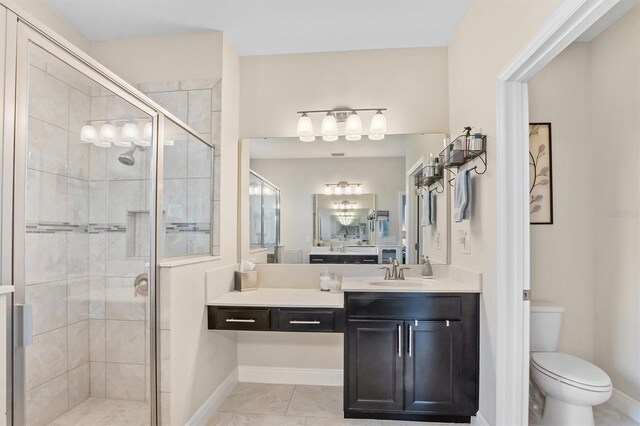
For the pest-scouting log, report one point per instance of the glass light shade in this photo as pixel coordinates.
(305, 126)
(376, 137)
(354, 125)
(102, 144)
(329, 126)
(130, 132)
(330, 138)
(359, 189)
(337, 190)
(353, 138)
(378, 125)
(89, 134)
(122, 144)
(327, 190)
(307, 138)
(348, 190)
(108, 133)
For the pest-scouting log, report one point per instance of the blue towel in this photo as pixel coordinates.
(462, 196)
(426, 209)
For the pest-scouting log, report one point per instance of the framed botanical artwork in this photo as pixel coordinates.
(540, 174)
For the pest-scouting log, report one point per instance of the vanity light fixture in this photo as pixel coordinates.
(89, 134)
(342, 187)
(108, 133)
(352, 120)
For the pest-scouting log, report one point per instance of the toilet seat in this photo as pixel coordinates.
(572, 371)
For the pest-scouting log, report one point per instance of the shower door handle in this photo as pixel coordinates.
(23, 325)
(141, 285)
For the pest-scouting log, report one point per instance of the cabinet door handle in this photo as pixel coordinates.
(410, 341)
(240, 320)
(304, 322)
(399, 341)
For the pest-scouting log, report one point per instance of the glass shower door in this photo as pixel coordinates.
(84, 243)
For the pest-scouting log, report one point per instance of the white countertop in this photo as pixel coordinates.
(410, 284)
(342, 253)
(6, 289)
(281, 297)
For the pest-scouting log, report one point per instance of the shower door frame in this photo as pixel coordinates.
(20, 35)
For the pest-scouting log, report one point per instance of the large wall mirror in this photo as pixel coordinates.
(342, 202)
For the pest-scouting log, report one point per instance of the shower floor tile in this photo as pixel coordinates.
(104, 412)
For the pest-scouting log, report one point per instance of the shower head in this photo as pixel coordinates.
(127, 158)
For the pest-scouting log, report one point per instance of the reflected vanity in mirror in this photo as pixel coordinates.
(342, 202)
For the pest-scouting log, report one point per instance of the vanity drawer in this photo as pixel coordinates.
(241, 319)
(290, 319)
(404, 305)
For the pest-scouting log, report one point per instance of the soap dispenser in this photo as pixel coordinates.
(427, 271)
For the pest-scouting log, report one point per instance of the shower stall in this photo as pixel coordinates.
(85, 219)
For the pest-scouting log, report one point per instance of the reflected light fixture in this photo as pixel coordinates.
(352, 124)
(108, 133)
(89, 134)
(147, 134)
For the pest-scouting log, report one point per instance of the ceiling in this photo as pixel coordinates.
(264, 27)
(289, 148)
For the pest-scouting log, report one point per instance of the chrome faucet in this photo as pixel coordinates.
(393, 272)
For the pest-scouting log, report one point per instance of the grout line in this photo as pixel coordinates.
(290, 399)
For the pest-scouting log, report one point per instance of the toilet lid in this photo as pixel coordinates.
(571, 369)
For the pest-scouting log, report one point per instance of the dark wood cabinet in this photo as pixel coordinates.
(411, 356)
(375, 364)
(322, 320)
(344, 258)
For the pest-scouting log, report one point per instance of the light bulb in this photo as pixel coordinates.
(378, 125)
(307, 138)
(130, 132)
(305, 126)
(359, 189)
(329, 127)
(327, 190)
(353, 126)
(337, 190)
(376, 137)
(89, 134)
(348, 190)
(108, 133)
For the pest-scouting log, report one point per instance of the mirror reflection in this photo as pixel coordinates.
(342, 202)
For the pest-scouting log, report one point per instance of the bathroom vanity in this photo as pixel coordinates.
(410, 346)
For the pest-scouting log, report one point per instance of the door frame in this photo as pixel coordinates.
(567, 23)
(412, 211)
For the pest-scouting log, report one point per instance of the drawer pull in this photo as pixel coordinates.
(369, 260)
(303, 322)
(240, 320)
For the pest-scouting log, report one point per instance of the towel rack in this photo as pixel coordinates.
(464, 149)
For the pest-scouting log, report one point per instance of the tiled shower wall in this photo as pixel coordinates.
(186, 166)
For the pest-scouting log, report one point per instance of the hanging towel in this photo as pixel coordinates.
(426, 209)
(432, 198)
(462, 196)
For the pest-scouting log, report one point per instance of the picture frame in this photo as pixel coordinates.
(540, 174)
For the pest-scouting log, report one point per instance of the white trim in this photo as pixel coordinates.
(479, 419)
(568, 22)
(215, 400)
(625, 404)
(292, 376)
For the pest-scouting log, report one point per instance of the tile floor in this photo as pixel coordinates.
(603, 415)
(259, 404)
(105, 412)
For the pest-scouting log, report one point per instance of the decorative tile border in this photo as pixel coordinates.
(101, 228)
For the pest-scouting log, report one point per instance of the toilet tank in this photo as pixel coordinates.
(546, 323)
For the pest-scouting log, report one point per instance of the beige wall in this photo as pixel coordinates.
(411, 83)
(489, 35)
(615, 85)
(560, 94)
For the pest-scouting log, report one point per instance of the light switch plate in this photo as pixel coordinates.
(466, 246)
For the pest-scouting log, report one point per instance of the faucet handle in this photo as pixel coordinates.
(387, 272)
(401, 272)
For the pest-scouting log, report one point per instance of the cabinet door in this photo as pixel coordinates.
(374, 354)
(433, 367)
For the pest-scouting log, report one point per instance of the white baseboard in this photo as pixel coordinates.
(625, 404)
(215, 400)
(293, 376)
(479, 419)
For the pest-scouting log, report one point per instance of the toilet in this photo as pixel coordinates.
(571, 385)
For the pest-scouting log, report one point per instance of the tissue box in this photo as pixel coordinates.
(245, 281)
